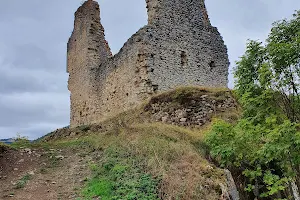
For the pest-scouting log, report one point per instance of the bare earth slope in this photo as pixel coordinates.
(52, 174)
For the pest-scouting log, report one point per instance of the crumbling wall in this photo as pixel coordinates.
(122, 81)
(178, 47)
(87, 49)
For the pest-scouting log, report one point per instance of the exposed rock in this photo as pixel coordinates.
(183, 119)
(295, 190)
(73, 134)
(31, 173)
(225, 195)
(59, 157)
(27, 150)
(232, 189)
(192, 112)
(164, 119)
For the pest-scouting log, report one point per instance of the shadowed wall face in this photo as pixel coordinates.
(178, 47)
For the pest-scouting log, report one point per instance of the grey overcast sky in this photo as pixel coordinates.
(34, 99)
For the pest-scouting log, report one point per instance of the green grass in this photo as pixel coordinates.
(21, 142)
(120, 176)
(23, 181)
(98, 187)
(184, 94)
(2, 144)
(148, 161)
(140, 159)
(84, 128)
(3, 147)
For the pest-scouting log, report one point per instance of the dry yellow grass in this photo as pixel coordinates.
(165, 151)
(174, 154)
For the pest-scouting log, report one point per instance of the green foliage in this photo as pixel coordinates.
(182, 95)
(121, 177)
(267, 152)
(265, 143)
(84, 128)
(3, 147)
(23, 181)
(145, 160)
(99, 187)
(268, 76)
(20, 141)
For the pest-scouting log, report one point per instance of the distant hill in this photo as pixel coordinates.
(7, 141)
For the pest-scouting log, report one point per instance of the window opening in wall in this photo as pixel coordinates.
(212, 65)
(184, 60)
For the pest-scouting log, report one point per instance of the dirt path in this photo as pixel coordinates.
(36, 174)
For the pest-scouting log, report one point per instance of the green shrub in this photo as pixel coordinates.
(21, 141)
(22, 182)
(121, 177)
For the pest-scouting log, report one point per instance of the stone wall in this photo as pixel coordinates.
(194, 109)
(178, 47)
(87, 49)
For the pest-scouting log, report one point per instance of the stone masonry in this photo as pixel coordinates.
(178, 47)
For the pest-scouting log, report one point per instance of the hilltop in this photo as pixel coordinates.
(177, 47)
(7, 141)
(155, 151)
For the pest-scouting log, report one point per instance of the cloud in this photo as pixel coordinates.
(20, 109)
(239, 21)
(33, 114)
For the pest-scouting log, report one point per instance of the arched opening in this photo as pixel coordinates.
(121, 19)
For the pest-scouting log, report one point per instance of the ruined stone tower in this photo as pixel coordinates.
(178, 47)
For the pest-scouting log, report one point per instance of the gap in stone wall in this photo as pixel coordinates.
(121, 20)
(212, 65)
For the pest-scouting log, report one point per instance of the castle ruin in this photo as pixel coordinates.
(178, 47)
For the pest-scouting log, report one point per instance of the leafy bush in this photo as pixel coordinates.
(267, 153)
(265, 143)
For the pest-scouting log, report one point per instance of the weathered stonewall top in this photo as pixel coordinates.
(178, 47)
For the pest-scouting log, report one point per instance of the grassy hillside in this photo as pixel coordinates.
(137, 155)
(148, 161)
(3, 147)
